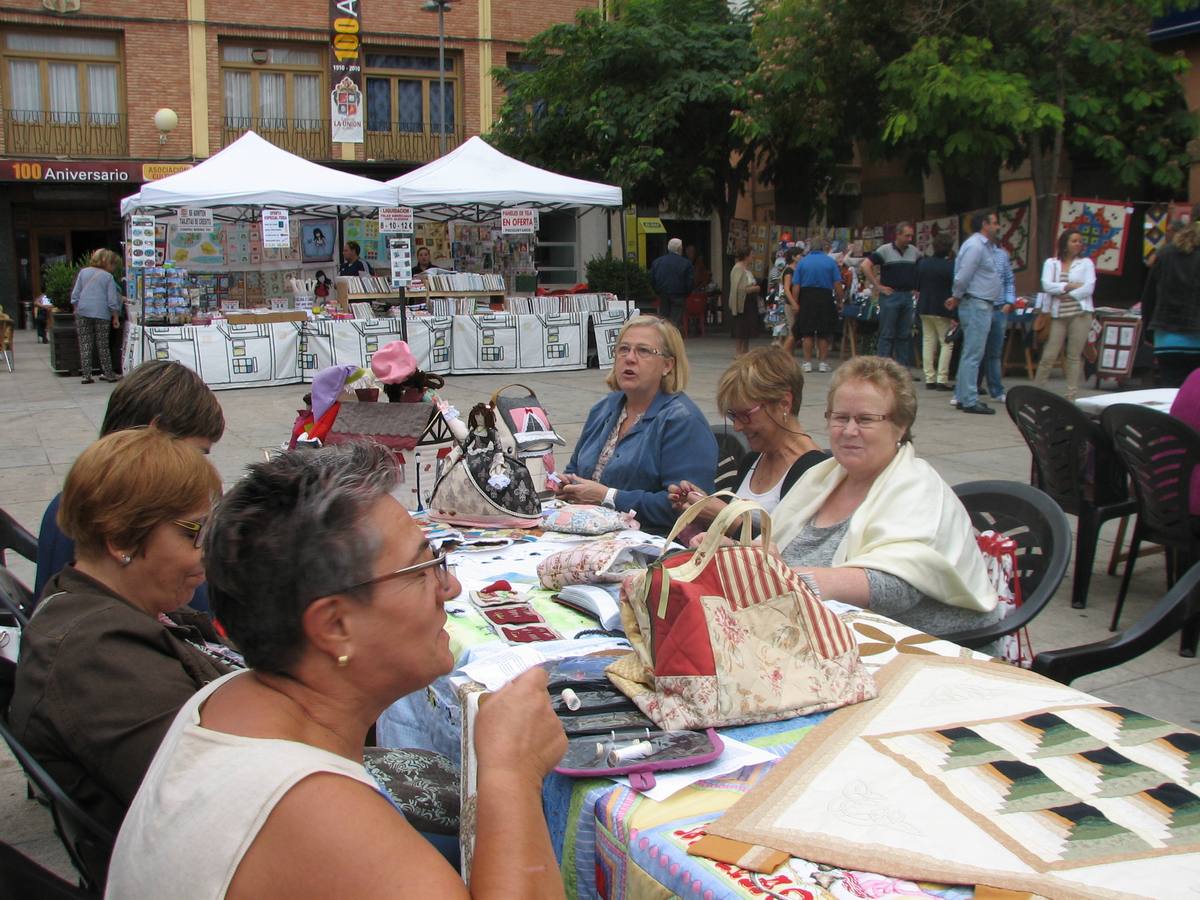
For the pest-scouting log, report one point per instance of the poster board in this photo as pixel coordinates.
(1119, 339)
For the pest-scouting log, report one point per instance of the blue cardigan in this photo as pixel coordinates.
(671, 443)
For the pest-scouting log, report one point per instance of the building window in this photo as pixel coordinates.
(63, 79)
(275, 89)
(403, 94)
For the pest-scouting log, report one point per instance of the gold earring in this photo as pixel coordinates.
(343, 660)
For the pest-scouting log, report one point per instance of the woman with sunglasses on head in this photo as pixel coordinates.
(338, 602)
(877, 527)
(646, 434)
(110, 654)
(761, 394)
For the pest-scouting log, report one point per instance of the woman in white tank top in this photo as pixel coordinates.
(330, 590)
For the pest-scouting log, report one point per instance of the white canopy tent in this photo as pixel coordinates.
(251, 173)
(475, 180)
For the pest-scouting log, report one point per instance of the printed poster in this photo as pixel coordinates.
(345, 71)
(1104, 226)
(197, 251)
(928, 230)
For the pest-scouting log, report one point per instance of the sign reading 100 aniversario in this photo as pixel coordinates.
(345, 71)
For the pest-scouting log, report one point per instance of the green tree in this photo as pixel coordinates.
(964, 86)
(643, 101)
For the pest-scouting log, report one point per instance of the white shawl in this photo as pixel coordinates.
(910, 525)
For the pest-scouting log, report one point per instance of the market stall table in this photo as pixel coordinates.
(612, 841)
(1153, 398)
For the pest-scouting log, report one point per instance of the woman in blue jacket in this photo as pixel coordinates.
(646, 434)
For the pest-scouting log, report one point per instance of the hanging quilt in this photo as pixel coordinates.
(1104, 226)
(970, 772)
(1156, 227)
(928, 229)
(1014, 230)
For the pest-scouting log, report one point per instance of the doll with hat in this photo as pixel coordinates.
(395, 367)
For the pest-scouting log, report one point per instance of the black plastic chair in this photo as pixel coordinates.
(1160, 452)
(21, 877)
(15, 537)
(1075, 464)
(731, 450)
(1180, 605)
(1043, 537)
(88, 843)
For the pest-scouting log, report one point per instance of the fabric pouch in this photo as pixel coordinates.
(583, 518)
(596, 562)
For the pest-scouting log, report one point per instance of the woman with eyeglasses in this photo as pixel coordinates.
(761, 394)
(337, 601)
(645, 435)
(877, 527)
(111, 653)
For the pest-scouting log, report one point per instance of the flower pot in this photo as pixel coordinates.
(367, 395)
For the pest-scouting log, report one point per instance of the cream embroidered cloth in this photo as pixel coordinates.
(910, 524)
(970, 772)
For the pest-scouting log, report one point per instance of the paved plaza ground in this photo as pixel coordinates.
(46, 420)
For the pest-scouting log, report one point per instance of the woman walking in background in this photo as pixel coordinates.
(1068, 281)
(97, 302)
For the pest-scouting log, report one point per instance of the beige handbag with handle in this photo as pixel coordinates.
(728, 634)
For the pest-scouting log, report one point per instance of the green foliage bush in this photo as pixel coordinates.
(57, 280)
(627, 280)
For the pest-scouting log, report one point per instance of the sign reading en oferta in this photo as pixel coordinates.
(521, 220)
(345, 71)
(194, 221)
(396, 220)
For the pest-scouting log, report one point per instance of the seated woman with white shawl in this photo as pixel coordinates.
(875, 526)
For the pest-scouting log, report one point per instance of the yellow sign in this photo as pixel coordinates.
(649, 225)
(155, 171)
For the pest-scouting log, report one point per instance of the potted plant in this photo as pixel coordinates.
(58, 279)
(627, 280)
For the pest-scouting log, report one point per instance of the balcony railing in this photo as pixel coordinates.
(32, 132)
(308, 138)
(414, 142)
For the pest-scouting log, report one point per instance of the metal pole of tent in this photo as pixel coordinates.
(624, 261)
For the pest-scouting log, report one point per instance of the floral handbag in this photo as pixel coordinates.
(730, 635)
(483, 483)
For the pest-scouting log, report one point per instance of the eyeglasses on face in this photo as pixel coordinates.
(442, 571)
(744, 416)
(641, 351)
(195, 529)
(865, 421)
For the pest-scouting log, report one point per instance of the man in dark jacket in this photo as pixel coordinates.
(671, 276)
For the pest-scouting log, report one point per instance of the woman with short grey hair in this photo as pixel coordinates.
(336, 599)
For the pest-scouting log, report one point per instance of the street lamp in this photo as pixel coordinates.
(441, 7)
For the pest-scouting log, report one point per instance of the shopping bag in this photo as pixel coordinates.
(728, 634)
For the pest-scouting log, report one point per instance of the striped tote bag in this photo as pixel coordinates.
(728, 634)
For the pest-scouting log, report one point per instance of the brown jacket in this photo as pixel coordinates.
(98, 684)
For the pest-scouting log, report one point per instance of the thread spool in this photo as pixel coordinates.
(571, 699)
(619, 755)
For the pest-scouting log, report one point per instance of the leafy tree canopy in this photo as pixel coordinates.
(643, 101)
(956, 83)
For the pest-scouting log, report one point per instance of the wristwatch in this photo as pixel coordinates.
(610, 498)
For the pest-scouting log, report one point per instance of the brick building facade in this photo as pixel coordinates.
(81, 81)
